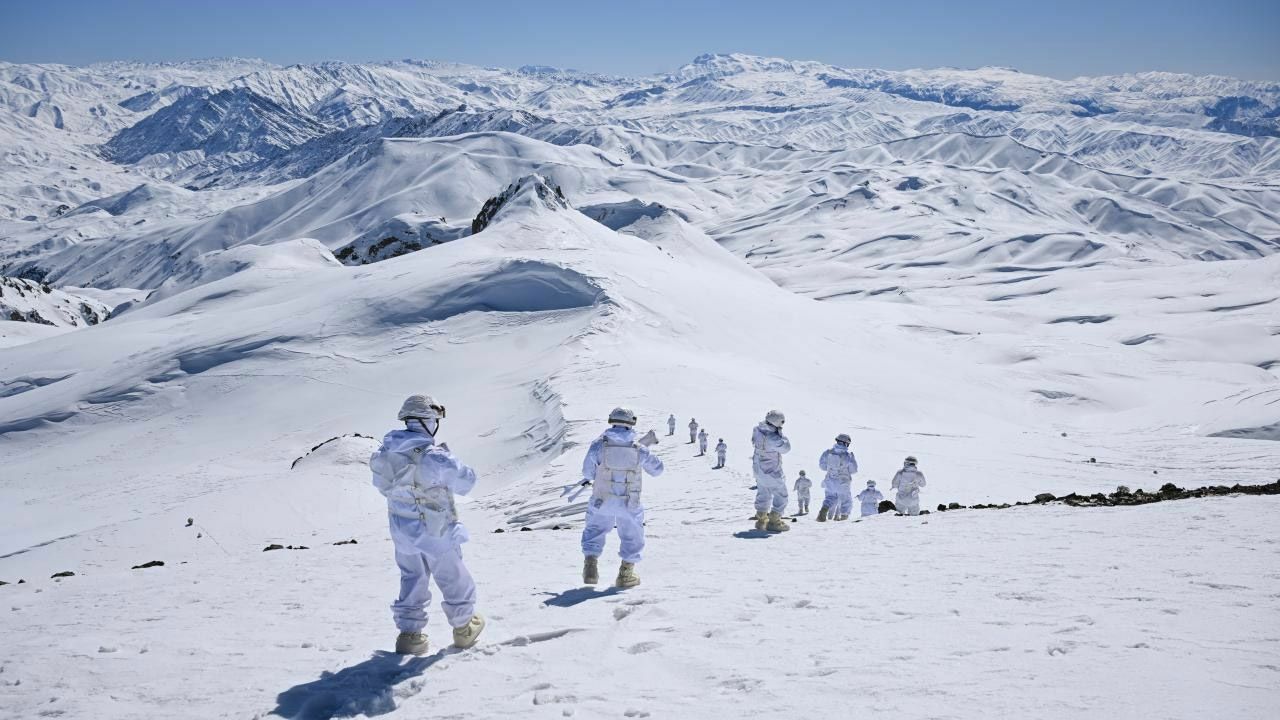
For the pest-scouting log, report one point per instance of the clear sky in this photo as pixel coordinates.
(1048, 37)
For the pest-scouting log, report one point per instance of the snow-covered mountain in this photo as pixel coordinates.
(1033, 285)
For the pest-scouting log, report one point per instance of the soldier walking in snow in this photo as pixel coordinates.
(870, 499)
(766, 463)
(613, 467)
(721, 451)
(419, 478)
(702, 442)
(693, 431)
(840, 465)
(803, 483)
(671, 425)
(908, 482)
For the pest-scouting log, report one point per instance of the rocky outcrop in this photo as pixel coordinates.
(35, 301)
(529, 191)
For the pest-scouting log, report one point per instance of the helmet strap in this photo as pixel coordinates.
(429, 431)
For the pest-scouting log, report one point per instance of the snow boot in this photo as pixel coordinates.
(411, 643)
(590, 570)
(761, 520)
(775, 523)
(466, 636)
(822, 514)
(627, 577)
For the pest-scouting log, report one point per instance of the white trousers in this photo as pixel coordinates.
(614, 514)
(422, 557)
(771, 493)
(908, 503)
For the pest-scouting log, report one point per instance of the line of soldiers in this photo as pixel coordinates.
(699, 435)
(840, 465)
(419, 478)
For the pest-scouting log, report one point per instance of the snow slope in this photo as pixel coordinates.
(226, 384)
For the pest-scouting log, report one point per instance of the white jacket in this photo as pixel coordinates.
(419, 479)
(908, 482)
(840, 465)
(616, 475)
(769, 445)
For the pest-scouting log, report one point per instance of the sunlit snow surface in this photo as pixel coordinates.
(1006, 310)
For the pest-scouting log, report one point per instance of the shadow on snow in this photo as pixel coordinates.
(569, 598)
(366, 688)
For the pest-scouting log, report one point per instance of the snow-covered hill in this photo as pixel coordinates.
(1032, 285)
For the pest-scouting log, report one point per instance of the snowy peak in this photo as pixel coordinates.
(725, 64)
(531, 192)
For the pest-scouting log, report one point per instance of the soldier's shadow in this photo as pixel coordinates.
(569, 598)
(753, 535)
(366, 688)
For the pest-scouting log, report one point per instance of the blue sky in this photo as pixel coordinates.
(1061, 39)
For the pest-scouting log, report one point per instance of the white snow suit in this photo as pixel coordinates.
(419, 479)
(671, 425)
(766, 463)
(702, 442)
(614, 464)
(908, 482)
(802, 486)
(841, 465)
(693, 431)
(870, 499)
(721, 451)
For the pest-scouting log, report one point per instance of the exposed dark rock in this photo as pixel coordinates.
(499, 530)
(954, 506)
(886, 506)
(549, 195)
(190, 522)
(352, 541)
(942, 507)
(271, 547)
(64, 573)
(150, 564)
(526, 528)
(1045, 497)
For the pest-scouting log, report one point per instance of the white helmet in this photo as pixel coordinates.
(801, 472)
(622, 416)
(775, 418)
(871, 483)
(910, 461)
(421, 407)
(843, 439)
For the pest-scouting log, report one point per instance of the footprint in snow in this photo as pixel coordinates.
(643, 647)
